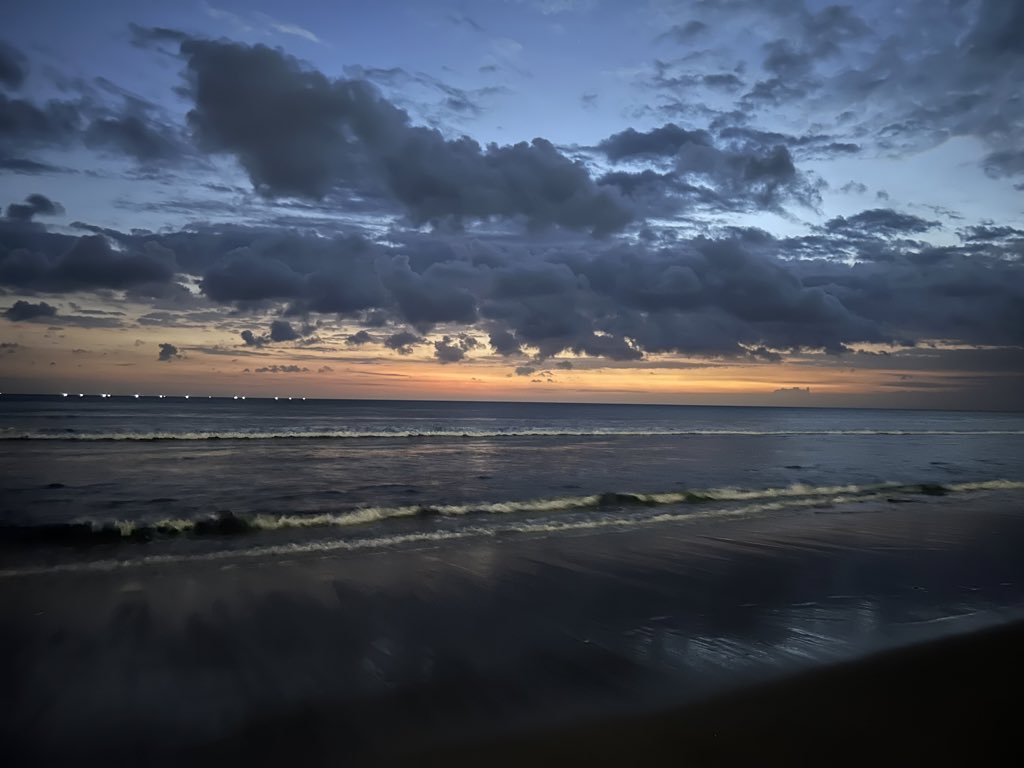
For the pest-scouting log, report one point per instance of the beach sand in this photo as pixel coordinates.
(661, 641)
(954, 701)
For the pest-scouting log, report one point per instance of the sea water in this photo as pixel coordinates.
(90, 478)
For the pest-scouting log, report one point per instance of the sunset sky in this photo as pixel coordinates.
(734, 201)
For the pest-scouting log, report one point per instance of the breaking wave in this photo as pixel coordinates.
(86, 532)
(534, 527)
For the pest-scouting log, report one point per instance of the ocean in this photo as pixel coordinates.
(199, 476)
(205, 581)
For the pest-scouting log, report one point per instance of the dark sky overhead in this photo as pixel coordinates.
(742, 201)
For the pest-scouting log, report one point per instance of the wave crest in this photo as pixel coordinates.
(86, 532)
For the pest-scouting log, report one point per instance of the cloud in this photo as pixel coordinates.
(358, 338)
(34, 205)
(282, 330)
(26, 166)
(133, 135)
(13, 68)
(739, 169)
(287, 28)
(282, 369)
(883, 222)
(685, 33)
(168, 352)
(1003, 163)
(504, 343)
(297, 132)
(243, 277)
(792, 391)
(130, 127)
(23, 310)
(402, 342)
(144, 37)
(250, 339)
(65, 264)
(453, 350)
(665, 141)
(732, 292)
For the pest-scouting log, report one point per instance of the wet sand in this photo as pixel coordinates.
(954, 701)
(518, 646)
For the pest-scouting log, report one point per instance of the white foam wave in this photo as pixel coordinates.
(525, 527)
(374, 514)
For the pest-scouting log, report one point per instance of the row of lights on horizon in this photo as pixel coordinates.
(163, 397)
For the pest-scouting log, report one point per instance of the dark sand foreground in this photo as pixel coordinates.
(869, 633)
(951, 701)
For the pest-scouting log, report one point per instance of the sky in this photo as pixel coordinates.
(760, 202)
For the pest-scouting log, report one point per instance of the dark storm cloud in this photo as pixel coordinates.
(1004, 163)
(992, 233)
(99, 116)
(299, 133)
(24, 310)
(739, 293)
(453, 349)
(63, 124)
(282, 330)
(168, 352)
(883, 222)
(358, 338)
(665, 141)
(26, 166)
(41, 312)
(134, 136)
(32, 258)
(433, 296)
(13, 67)
(997, 30)
(250, 339)
(23, 124)
(34, 205)
(740, 169)
(143, 37)
(243, 277)
(402, 342)
(504, 343)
